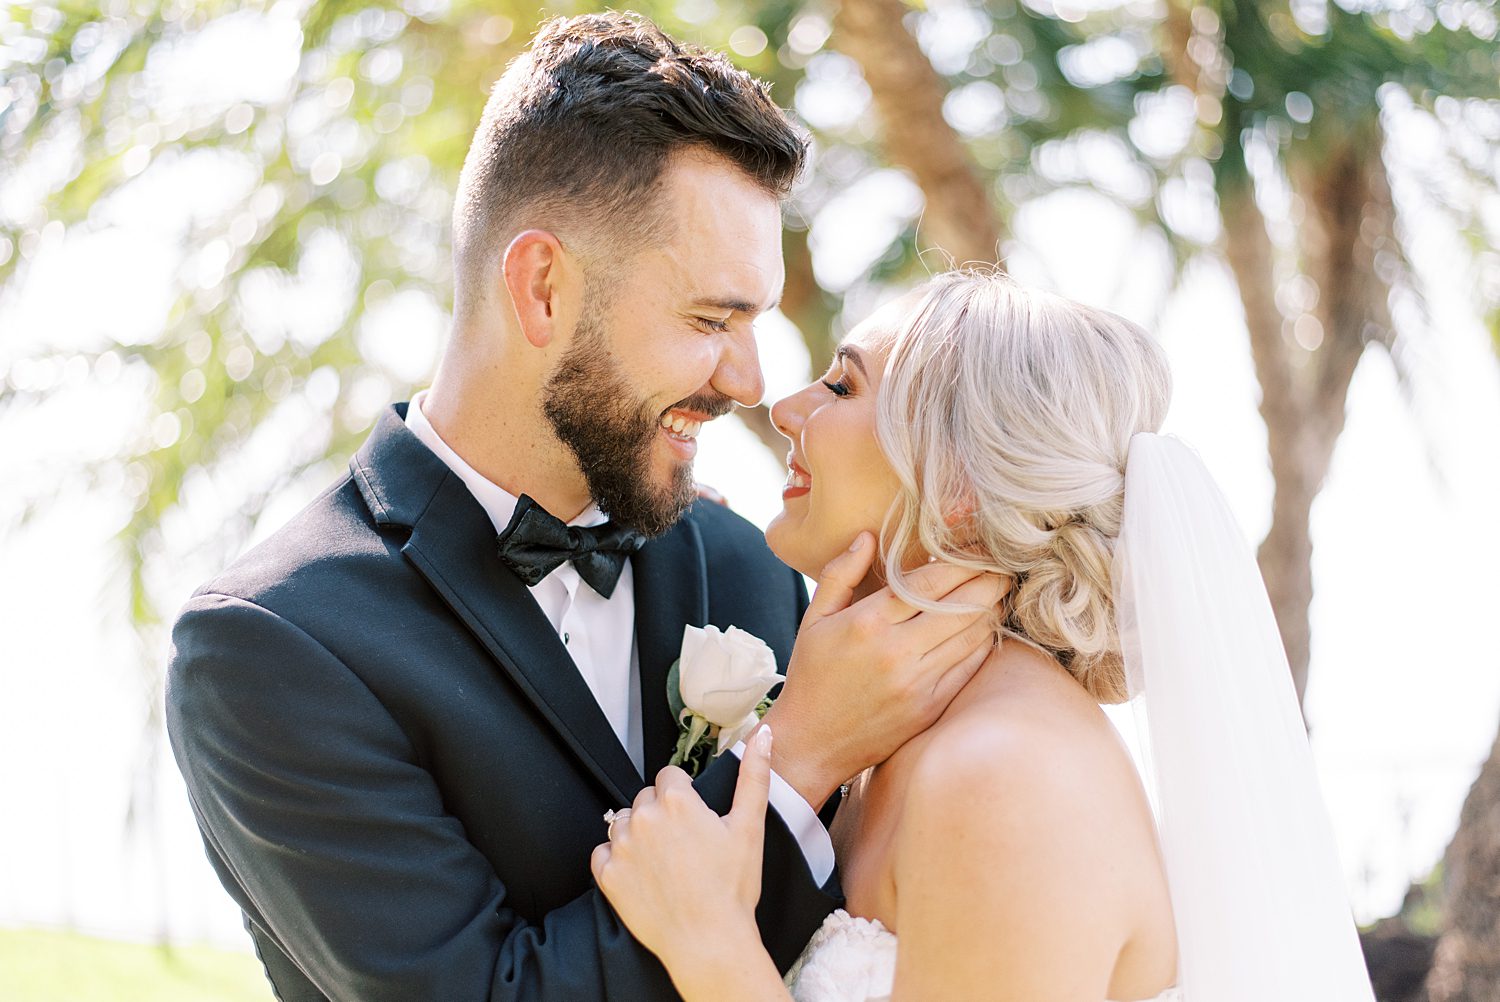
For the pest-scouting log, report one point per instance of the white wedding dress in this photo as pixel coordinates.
(853, 959)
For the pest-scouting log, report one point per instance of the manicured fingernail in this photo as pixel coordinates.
(858, 544)
(763, 740)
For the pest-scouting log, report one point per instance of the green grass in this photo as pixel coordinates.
(40, 966)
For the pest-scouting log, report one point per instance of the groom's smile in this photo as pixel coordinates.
(680, 428)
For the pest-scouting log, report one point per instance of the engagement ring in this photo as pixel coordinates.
(612, 816)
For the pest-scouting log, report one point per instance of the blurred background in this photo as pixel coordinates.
(224, 248)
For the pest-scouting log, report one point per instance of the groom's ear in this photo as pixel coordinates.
(533, 267)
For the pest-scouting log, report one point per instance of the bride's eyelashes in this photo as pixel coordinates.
(839, 387)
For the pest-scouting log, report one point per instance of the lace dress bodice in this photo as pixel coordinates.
(853, 959)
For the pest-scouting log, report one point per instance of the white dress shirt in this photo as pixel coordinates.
(599, 634)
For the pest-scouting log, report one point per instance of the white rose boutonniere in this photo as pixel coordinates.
(717, 689)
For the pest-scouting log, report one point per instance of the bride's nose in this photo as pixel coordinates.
(788, 414)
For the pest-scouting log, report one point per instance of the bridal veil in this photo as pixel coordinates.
(1257, 890)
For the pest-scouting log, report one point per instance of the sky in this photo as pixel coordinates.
(1404, 692)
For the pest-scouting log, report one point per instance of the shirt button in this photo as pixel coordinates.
(566, 638)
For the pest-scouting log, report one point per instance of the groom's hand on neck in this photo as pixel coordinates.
(868, 676)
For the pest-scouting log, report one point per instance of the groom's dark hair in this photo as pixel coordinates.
(578, 130)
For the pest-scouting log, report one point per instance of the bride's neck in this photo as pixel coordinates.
(1014, 669)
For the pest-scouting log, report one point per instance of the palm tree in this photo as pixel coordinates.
(1321, 292)
(1304, 105)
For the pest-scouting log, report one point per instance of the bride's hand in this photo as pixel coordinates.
(674, 869)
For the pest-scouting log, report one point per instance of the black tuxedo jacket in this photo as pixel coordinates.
(399, 773)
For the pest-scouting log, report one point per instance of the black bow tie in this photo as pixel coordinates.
(536, 543)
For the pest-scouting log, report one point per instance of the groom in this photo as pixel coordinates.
(402, 717)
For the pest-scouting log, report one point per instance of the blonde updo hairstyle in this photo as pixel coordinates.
(1007, 414)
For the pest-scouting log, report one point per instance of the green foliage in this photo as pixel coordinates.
(40, 966)
(1422, 911)
(352, 165)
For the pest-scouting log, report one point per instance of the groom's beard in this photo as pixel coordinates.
(612, 433)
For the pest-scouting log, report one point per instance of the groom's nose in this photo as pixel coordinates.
(738, 374)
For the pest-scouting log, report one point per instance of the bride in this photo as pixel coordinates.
(1013, 851)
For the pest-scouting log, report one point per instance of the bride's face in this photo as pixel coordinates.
(839, 482)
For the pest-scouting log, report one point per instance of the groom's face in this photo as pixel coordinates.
(670, 344)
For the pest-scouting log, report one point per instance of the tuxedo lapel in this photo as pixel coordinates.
(452, 544)
(671, 590)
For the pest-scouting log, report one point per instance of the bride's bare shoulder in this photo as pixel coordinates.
(1020, 841)
(1027, 750)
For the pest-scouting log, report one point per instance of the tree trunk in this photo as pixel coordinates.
(805, 303)
(907, 92)
(1286, 552)
(1467, 966)
(1304, 363)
